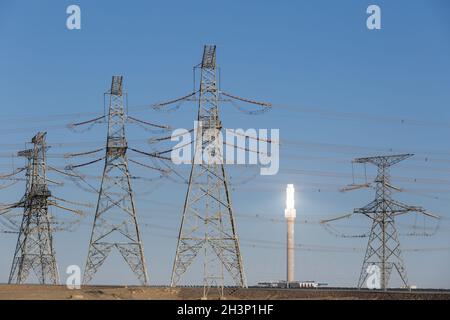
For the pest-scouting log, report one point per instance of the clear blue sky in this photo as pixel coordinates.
(339, 91)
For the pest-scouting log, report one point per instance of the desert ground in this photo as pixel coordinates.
(45, 292)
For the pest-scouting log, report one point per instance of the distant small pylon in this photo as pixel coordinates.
(383, 248)
(34, 250)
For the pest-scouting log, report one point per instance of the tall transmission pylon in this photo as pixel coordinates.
(34, 249)
(383, 248)
(115, 222)
(208, 223)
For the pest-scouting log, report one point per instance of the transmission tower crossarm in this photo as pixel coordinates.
(387, 184)
(52, 203)
(54, 182)
(11, 205)
(86, 122)
(69, 167)
(153, 155)
(172, 101)
(161, 126)
(61, 172)
(378, 207)
(17, 171)
(384, 160)
(260, 103)
(428, 214)
(163, 171)
(352, 187)
(345, 216)
(70, 155)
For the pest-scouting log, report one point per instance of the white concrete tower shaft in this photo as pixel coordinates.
(290, 215)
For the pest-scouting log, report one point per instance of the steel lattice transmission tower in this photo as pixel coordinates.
(115, 223)
(383, 249)
(207, 223)
(34, 249)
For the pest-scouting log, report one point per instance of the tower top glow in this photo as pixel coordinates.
(290, 211)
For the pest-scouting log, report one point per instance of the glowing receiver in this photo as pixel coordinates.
(290, 212)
